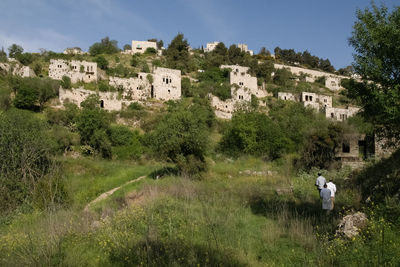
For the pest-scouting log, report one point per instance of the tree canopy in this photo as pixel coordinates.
(375, 39)
(106, 46)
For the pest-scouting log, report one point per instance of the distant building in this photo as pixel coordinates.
(341, 114)
(141, 47)
(245, 48)
(73, 51)
(211, 46)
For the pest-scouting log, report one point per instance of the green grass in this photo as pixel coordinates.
(87, 178)
(230, 218)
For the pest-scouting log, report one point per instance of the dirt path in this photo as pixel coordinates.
(110, 192)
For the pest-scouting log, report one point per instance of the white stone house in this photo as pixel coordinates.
(73, 51)
(287, 96)
(76, 70)
(141, 46)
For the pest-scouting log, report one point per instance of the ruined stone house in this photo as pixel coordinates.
(162, 84)
(15, 68)
(245, 49)
(141, 47)
(76, 70)
(243, 87)
(341, 114)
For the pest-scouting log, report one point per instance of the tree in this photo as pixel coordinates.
(14, 50)
(177, 54)
(181, 137)
(106, 46)
(25, 157)
(3, 55)
(101, 62)
(127, 47)
(375, 39)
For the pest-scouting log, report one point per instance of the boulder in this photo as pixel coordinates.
(351, 225)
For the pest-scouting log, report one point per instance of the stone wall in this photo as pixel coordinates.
(76, 70)
(332, 80)
(341, 114)
(287, 96)
(110, 101)
(17, 69)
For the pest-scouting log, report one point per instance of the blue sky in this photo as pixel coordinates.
(320, 26)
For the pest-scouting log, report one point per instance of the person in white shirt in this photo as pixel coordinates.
(331, 186)
(319, 183)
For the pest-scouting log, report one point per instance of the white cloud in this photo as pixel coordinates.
(35, 39)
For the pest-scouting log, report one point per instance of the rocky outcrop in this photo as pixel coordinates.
(351, 225)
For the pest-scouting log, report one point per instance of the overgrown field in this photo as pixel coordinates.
(244, 212)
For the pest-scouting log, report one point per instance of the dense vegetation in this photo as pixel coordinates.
(187, 188)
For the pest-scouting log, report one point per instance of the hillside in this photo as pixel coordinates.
(183, 157)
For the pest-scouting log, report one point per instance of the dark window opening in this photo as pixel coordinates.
(102, 103)
(345, 147)
(152, 91)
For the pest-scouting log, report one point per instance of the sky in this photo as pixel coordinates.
(320, 26)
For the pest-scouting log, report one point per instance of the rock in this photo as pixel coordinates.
(351, 225)
(284, 191)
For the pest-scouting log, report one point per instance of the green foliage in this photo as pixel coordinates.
(150, 51)
(177, 54)
(254, 134)
(375, 39)
(14, 50)
(122, 71)
(120, 135)
(181, 138)
(33, 91)
(25, 58)
(185, 86)
(106, 46)
(135, 60)
(215, 81)
(101, 62)
(319, 149)
(127, 47)
(283, 77)
(66, 82)
(26, 157)
(92, 124)
(3, 55)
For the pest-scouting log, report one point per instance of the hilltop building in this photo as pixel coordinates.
(75, 70)
(73, 51)
(245, 48)
(211, 46)
(140, 47)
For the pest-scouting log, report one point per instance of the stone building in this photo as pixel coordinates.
(287, 96)
(73, 51)
(245, 48)
(332, 81)
(211, 46)
(76, 70)
(341, 114)
(141, 46)
(111, 101)
(162, 84)
(316, 101)
(243, 86)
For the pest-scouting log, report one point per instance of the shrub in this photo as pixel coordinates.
(120, 135)
(255, 134)
(101, 62)
(26, 157)
(66, 82)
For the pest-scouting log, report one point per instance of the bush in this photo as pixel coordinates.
(101, 62)
(151, 51)
(120, 135)
(26, 157)
(180, 134)
(255, 134)
(66, 82)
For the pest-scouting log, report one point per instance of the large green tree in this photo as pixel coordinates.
(375, 39)
(177, 54)
(106, 46)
